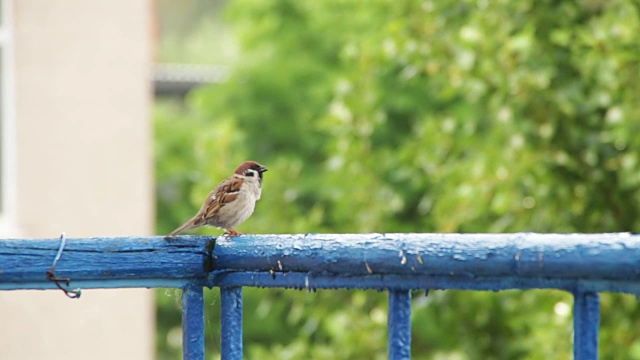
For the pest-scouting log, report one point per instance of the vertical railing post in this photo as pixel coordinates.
(586, 323)
(399, 324)
(192, 323)
(231, 323)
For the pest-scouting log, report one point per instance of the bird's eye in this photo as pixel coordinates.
(249, 173)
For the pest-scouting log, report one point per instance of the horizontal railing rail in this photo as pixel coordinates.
(584, 264)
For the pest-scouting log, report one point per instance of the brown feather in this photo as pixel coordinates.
(244, 166)
(227, 192)
(186, 226)
(223, 194)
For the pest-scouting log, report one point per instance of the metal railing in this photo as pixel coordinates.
(583, 264)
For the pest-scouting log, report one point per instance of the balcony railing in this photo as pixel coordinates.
(583, 264)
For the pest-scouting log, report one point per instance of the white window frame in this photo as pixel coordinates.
(8, 217)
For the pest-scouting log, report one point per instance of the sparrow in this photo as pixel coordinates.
(231, 202)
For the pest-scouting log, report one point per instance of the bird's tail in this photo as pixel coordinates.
(186, 226)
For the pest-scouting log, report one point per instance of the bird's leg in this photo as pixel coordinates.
(232, 232)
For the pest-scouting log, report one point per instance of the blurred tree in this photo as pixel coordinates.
(424, 116)
(193, 32)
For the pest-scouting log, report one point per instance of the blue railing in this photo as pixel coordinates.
(584, 264)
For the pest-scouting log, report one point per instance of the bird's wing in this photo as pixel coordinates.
(222, 195)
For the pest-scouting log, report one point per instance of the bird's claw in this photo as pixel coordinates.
(231, 233)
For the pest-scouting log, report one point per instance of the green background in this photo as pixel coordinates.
(410, 116)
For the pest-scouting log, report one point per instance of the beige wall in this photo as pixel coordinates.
(84, 166)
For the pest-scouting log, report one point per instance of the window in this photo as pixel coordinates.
(7, 122)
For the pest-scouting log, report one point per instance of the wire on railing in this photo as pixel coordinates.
(51, 273)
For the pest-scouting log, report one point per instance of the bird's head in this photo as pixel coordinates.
(251, 169)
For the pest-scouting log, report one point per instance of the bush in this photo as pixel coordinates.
(420, 116)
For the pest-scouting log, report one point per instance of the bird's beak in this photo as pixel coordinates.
(262, 168)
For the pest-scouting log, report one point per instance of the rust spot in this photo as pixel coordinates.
(540, 261)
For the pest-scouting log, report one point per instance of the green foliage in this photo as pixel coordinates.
(193, 32)
(423, 116)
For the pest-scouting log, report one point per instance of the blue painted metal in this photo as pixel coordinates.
(586, 322)
(105, 262)
(553, 256)
(231, 323)
(584, 264)
(399, 324)
(193, 323)
(310, 281)
(601, 262)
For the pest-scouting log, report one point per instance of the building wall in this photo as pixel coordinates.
(84, 166)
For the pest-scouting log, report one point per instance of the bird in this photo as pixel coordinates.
(231, 202)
